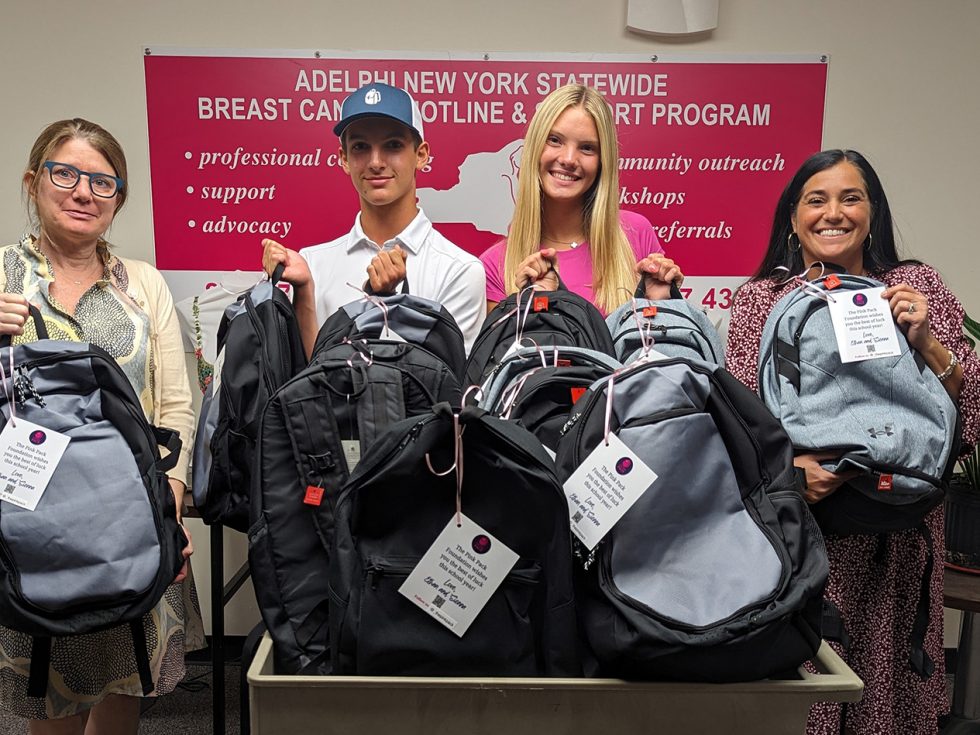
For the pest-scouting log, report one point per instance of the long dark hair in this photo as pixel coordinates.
(879, 255)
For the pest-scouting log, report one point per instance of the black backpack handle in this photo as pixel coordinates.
(39, 326)
(640, 293)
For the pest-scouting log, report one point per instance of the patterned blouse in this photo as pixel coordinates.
(106, 315)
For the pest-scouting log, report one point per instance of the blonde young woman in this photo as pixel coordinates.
(567, 217)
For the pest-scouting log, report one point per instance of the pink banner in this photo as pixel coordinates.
(242, 149)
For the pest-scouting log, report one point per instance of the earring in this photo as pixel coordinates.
(789, 242)
(867, 243)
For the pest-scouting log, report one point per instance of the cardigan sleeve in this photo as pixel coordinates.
(171, 391)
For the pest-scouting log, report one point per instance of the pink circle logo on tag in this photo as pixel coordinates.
(37, 437)
(859, 299)
(624, 466)
(481, 544)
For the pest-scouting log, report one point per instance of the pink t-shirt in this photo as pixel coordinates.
(575, 265)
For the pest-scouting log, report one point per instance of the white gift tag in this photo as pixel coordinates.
(863, 325)
(219, 363)
(514, 347)
(391, 335)
(29, 454)
(459, 573)
(352, 452)
(603, 488)
(651, 355)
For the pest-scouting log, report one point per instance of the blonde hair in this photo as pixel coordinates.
(57, 134)
(613, 263)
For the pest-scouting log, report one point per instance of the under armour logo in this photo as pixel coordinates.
(887, 431)
(372, 97)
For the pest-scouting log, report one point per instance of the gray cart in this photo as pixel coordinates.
(311, 705)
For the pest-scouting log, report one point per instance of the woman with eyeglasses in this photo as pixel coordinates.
(75, 184)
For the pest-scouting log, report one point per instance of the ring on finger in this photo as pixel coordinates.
(911, 308)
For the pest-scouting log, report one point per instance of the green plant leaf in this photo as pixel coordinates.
(972, 329)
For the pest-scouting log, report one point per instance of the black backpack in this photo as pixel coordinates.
(260, 348)
(394, 507)
(716, 573)
(534, 317)
(348, 395)
(414, 319)
(537, 387)
(101, 547)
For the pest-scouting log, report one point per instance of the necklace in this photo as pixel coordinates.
(570, 243)
(81, 280)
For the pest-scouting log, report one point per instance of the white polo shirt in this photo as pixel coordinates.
(435, 268)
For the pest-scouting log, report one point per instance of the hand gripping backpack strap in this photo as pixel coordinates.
(368, 290)
(918, 658)
(640, 293)
(39, 326)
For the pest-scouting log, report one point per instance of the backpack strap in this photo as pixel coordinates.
(918, 658)
(788, 362)
(380, 403)
(141, 655)
(37, 682)
(169, 439)
(832, 624)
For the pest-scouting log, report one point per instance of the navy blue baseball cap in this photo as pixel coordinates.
(380, 100)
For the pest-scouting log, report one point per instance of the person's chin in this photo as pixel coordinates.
(377, 198)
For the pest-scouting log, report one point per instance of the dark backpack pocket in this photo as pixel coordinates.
(397, 638)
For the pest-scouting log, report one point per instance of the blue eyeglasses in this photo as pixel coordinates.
(66, 176)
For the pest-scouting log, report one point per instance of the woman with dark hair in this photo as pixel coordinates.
(834, 211)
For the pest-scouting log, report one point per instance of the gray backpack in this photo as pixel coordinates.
(103, 544)
(677, 328)
(716, 572)
(890, 418)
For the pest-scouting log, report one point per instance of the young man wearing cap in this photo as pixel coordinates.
(382, 146)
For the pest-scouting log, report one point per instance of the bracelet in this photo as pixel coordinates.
(953, 362)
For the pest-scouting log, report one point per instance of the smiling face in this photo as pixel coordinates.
(833, 217)
(72, 216)
(570, 159)
(379, 155)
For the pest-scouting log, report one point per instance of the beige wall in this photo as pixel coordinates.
(903, 84)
